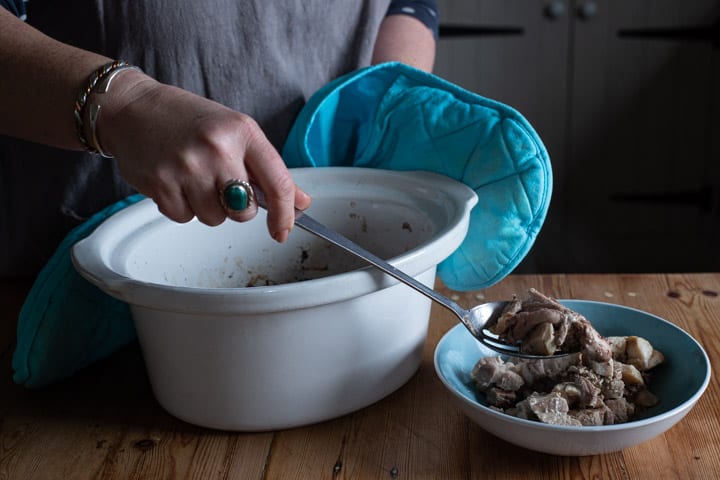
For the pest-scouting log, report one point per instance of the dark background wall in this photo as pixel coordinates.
(626, 96)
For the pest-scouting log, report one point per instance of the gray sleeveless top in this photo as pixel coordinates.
(261, 57)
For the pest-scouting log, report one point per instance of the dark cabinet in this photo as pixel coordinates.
(626, 96)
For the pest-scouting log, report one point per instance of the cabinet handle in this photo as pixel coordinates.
(477, 31)
(555, 9)
(705, 198)
(587, 10)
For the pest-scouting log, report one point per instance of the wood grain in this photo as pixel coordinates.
(104, 423)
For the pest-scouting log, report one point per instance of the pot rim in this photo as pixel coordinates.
(93, 256)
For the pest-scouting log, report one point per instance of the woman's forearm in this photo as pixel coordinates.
(171, 145)
(40, 81)
(405, 39)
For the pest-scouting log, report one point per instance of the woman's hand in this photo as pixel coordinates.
(180, 149)
(171, 145)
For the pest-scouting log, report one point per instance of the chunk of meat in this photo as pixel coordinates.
(534, 371)
(541, 339)
(631, 375)
(588, 386)
(544, 326)
(635, 351)
(494, 372)
(551, 408)
(498, 397)
(620, 411)
(617, 346)
(512, 307)
(641, 354)
(590, 416)
(613, 387)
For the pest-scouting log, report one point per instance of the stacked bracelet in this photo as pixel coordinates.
(99, 82)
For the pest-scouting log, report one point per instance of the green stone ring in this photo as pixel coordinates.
(236, 195)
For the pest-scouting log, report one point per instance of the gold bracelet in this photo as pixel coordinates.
(81, 102)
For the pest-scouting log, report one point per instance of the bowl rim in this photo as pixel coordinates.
(639, 423)
(93, 260)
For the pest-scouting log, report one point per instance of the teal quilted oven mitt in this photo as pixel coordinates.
(395, 117)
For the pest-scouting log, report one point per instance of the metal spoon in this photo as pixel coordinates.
(475, 320)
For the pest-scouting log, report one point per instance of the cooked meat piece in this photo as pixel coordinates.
(543, 326)
(524, 322)
(631, 375)
(570, 391)
(587, 383)
(551, 408)
(613, 387)
(521, 410)
(604, 369)
(641, 354)
(508, 313)
(617, 346)
(540, 300)
(532, 371)
(592, 417)
(562, 331)
(636, 351)
(498, 397)
(620, 411)
(541, 340)
(486, 370)
(592, 343)
(494, 372)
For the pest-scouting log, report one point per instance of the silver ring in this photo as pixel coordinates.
(236, 195)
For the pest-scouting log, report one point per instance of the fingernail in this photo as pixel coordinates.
(281, 235)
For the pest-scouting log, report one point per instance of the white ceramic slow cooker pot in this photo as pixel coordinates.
(241, 333)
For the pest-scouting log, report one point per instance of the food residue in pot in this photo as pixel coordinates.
(312, 260)
(361, 218)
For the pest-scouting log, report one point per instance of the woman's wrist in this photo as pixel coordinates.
(86, 113)
(105, 102)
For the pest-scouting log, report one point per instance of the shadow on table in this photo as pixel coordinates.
(114, 391)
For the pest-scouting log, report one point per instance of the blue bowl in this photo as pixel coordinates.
(678, 383)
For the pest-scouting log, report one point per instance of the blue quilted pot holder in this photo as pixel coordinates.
(395, 117)
(388, 116)
(66, 322)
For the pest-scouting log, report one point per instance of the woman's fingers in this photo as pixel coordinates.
(173, 205)
(269, 172)
(184, 151)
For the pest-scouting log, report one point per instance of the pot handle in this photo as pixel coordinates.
(89, 264)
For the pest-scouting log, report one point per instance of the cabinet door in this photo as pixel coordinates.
(641, 181)
(626, 96)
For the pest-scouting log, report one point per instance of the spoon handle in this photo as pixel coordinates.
(309, 224)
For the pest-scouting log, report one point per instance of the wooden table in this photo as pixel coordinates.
(104, 423)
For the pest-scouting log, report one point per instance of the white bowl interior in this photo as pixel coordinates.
(678, 383)
(236, 255)
(388, 213)
(412, 219)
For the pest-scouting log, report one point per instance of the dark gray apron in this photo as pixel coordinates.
(262, 57)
